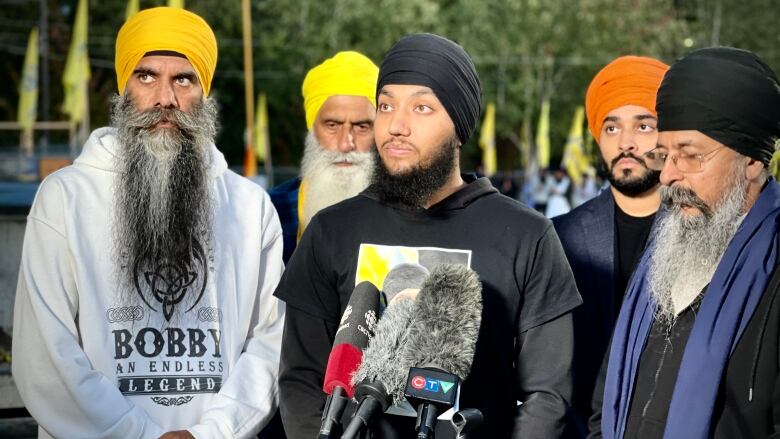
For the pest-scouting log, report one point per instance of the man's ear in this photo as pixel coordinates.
(754, 169)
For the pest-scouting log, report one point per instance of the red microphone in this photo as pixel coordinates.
(355, 329)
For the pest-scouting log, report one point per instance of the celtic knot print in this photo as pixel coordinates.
(209, 314)
(170, 282)
(124, 314)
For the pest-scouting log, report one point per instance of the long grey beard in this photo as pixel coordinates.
(689, 248)
(163, 208)
(328, 184)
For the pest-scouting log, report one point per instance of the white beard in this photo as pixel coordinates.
(327, 183)
(688, 249)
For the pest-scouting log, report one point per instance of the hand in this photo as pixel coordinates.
(178, 434)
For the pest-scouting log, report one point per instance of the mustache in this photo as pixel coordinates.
(678, 196)
(399, 142)
(151, 117)
(627, 155)
(353, 157)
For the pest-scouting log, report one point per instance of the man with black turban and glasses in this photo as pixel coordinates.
(144, 305)
(695, 348)
(421, 209)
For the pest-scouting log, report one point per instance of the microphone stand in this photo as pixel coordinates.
(334, 407)
(374, 400)
(426, 421)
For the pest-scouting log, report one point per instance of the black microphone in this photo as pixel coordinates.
(442, 339)
(379, 379)
(357, 326)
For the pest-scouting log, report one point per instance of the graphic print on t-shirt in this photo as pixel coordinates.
(394, 268)
(168, 346)
(166, 283)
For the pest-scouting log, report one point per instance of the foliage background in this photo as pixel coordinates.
(524, 50)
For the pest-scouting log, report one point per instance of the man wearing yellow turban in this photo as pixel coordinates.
(605, 237)
(339, 99)
(144, 307)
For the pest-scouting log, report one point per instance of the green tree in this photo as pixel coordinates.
(524, 50)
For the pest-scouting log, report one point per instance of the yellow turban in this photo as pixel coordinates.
(162, 28)
(347, 73)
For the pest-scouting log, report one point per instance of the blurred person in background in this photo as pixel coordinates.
(604, 238)
(339, 97)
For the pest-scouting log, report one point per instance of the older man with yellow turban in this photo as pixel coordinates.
(605, 237)
(144, 306)
(339, 98)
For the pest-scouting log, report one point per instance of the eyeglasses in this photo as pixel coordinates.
(686, 163)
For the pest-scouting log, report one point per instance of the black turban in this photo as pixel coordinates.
(729, 94)
(443, 66)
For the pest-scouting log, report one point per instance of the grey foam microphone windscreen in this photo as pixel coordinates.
(380, 358)
(445, 321)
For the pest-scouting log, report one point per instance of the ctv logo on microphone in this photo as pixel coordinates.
(431, 384)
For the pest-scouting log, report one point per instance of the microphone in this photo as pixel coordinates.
(441, 341)
(379, 378)
(401, 277)
(355, 329)
(441, 326)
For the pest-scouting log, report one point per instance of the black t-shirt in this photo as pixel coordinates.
(631, 233)
(526, 283)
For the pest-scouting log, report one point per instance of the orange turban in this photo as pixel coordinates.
(628, 80)
(163, 28)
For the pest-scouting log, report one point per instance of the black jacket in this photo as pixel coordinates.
(748, 404)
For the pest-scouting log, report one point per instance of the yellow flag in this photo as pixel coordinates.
(176, 4)
(261, 137)
(132, 8)
(589, 146)
(574, 159)
(543, 136)
(75, 79)
(487, 140)
(28, 89)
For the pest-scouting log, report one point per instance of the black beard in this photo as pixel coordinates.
(415, 186)
(162, 202)
(631, 186)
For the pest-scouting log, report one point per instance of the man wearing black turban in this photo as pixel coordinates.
(695, 352)
(421, 209)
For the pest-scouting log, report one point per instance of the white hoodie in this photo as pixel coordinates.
(89, 364)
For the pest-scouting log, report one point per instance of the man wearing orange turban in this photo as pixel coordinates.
(144, 305)
(339, 100)
(605, 237)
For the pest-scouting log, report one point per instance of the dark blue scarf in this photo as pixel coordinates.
(727, 306)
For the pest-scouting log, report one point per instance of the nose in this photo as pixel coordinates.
(166, 96)
(345, 139)
(627, 141)
(670, 173)
(399, 125)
